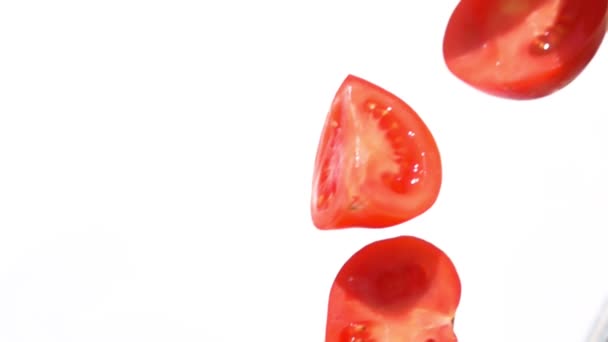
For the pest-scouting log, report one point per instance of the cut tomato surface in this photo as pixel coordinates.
(394, 290)
(377, 164)
(523, 49)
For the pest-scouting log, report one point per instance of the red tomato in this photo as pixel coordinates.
(394, 290)
(523, 49)
(377, 164)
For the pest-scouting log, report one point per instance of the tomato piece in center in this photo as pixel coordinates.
(377, 164)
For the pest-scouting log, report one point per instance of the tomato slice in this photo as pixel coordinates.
(523, 49)
(377, 164)
(394, 290)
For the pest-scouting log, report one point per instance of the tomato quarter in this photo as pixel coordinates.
(394, 290)
(523, 49)
(377, 164)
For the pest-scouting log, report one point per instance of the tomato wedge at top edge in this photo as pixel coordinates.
(394, 290)
(523, 49)
(377, 163)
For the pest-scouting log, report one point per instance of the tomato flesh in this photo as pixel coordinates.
(523, 49)
(394, 290)
(377, 164)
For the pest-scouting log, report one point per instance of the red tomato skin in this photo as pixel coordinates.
(403, 288)
(375, 215)
(536, 85)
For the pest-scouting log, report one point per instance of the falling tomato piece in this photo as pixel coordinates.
(394, 290)
(523, 49)
(377, 164)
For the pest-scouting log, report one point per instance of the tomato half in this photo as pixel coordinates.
(394, 290)
(377, 164)
(523, 49)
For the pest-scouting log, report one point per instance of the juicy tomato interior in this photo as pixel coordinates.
(523, 49)
(394, 290)
(377, 164)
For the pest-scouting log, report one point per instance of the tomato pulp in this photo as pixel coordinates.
(523, 49)
(377, 164)
(394, 290)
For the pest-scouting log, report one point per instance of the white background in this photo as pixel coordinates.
(156, 161)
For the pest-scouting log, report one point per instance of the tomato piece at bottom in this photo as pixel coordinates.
(523, 49)
(394, 290)
(377, 163)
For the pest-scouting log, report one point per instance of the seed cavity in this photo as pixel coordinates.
(548, 41)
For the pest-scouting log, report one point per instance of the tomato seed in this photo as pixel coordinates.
(403, 161)
(358, 327)
(356, 332)
(320, 199)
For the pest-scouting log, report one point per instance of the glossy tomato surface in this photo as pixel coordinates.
(394, 290)
(377, 164)
(523, 49)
